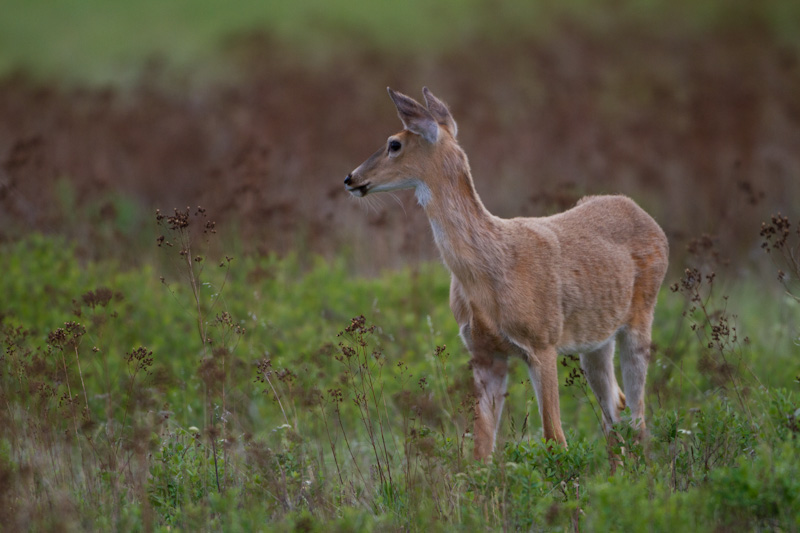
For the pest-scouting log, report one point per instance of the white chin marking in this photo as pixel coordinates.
(358, 192)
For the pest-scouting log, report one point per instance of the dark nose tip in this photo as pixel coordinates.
(348, 179)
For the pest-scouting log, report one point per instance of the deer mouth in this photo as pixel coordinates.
(360, 190)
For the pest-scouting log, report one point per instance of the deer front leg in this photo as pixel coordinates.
(491, 381)
(544, 376)
(490, 372)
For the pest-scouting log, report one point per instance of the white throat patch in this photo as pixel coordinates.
(423, 193)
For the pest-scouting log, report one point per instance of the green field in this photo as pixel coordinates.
(119, 416)
(111, 42)
(296, 366)
(101, 41)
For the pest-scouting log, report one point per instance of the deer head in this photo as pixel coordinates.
(414, 157)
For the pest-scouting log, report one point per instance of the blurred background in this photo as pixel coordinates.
(257, 111)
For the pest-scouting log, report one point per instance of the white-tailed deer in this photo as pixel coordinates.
(530, 287)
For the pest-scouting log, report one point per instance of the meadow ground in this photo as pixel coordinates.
(237, 393)
(284, 359)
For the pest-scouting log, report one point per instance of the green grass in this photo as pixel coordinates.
(106, 41)
(96, 41)
(244, 431)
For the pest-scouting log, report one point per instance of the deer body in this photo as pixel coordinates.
(529, 287)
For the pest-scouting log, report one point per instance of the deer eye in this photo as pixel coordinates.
(394, 145)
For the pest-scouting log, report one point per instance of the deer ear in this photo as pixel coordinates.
(415, 117)
(440, 112)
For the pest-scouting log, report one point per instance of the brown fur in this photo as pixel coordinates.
(530, 287)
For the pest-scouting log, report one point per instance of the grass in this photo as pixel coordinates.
(111, 42)
(100, 42)
(240, 394)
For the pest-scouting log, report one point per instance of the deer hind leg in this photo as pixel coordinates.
(598, 367)
(542, 368)
(490, 371)
(634, 357)
(634, 338)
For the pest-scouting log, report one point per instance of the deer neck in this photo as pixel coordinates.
(467, 234)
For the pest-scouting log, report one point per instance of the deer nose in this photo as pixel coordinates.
(348, 180)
